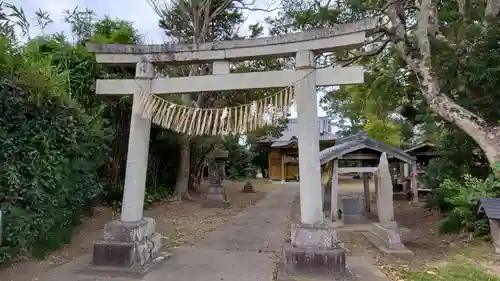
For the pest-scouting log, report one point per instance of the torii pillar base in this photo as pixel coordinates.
(130, 249)
(314, 249)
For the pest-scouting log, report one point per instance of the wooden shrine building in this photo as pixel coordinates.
(283, 155)
(424, 152)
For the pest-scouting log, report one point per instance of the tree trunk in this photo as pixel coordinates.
(485, 135)
(182, 184)
(181, 187)
(195, 178)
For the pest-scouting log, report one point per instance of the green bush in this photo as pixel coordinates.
(50, 153)
(461, 199)
(239, 162)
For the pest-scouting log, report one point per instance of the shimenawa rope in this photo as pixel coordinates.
(196, 121)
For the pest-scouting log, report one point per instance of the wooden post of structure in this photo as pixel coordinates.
(366, 190)
(414, 184)
(402, 176)
(283, 178)
(334, 205)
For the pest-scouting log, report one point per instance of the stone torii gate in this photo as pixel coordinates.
(132, 241)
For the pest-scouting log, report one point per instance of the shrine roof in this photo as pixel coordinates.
(490, 206)
(361, 141)
(423, 146)
(290, 133)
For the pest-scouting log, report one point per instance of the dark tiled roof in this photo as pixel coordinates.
(360, 141)
(289, 134)
(420, 145)
(491, 206)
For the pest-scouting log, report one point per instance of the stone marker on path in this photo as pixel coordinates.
(385, 234)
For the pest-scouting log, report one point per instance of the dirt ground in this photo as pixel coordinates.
(420, 234)
(180, 223)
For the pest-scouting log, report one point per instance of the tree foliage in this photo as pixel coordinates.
(434, 64)
(63, 149)
(52, 148)
(196, 23)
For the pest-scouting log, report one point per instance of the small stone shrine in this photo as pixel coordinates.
(216, 196)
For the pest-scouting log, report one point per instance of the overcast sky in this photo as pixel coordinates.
(136, 11)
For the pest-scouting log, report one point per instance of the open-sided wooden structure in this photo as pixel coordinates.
(362, 148)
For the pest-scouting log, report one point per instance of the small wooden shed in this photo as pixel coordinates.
(424, 152)
(491, 208)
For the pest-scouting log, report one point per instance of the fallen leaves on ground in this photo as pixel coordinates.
(181, 223)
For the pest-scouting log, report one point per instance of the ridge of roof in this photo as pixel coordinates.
(359, 141)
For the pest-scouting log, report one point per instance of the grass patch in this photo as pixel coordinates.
(458, 270)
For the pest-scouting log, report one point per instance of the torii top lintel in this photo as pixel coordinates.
(319, 40)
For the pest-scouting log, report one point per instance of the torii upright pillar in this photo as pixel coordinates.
(314, 244)
(131, 243)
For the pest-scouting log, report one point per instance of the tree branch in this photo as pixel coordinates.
(492, 8)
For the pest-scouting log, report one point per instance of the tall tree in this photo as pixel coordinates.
(197, 22)
(433, 39)
(372, 106)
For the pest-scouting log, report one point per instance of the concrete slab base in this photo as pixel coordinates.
(133, 272)
(389, 233)
(352, 219)
(387, 239)
(361, 269)
(358, 269)
(404, 253)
